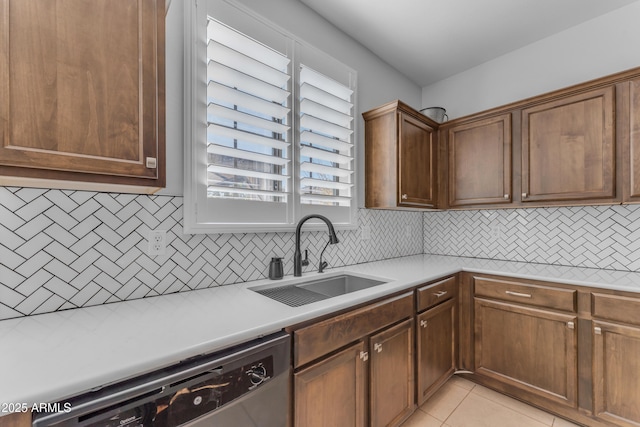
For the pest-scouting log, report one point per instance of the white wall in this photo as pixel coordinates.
(596, 48)
(174, 93)
(378, 82)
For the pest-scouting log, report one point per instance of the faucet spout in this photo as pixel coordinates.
(297, 255)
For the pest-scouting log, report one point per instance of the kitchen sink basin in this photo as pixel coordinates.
(318, 289)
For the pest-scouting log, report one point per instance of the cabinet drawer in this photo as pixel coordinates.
(542, 296)
(323, 337)
(435, 293)
(617, 308)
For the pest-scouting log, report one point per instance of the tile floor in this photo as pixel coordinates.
(461, 403)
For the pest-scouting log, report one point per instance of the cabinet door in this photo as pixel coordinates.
(392, 383)
(616, 373)
(480, 162)
(416, 163)
(568, 148)
(19, 419)
(633, 175)
(332, 392)
(82, 90)
(531, 349)
(436, 338)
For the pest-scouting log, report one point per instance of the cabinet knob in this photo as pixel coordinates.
(377, 347)
(364, 356)
(423, 323)
(571, 325)
(597, 331)
(405, 197)
(524, 195)
(506, 197)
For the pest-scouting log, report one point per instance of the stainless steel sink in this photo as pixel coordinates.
(340, 285)
(318, 289)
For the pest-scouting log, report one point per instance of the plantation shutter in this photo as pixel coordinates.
(326, 140)
(248, 154)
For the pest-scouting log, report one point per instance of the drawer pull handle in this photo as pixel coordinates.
(440, 294)
(377, 347)
(597, 331)
(364, 356)
(571, 325)
(517, 294)
(423, 323)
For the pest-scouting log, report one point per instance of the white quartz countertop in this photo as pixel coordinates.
(50, 357)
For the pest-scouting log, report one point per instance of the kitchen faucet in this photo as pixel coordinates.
(297, 255)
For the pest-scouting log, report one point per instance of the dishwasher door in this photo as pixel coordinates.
(264, 407)
(245, 386)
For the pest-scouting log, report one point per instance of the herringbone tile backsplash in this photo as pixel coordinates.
(605, 237)
(68, 249)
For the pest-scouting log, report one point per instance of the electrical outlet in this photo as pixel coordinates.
(157, 243)
(366, 233)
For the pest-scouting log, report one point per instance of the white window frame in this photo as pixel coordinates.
(232, 13)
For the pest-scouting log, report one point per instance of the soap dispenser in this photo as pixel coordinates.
(276, 271)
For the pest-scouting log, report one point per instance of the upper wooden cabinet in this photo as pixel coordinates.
(568, 148)
(400, 158)
(575, 146)
(82, 93)
(632, 146)
(479, 156)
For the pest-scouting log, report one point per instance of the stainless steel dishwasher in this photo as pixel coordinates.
(244, 386)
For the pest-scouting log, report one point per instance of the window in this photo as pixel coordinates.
(269, 126)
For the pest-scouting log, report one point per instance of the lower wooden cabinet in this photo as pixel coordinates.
(531, 349)
(392, 384)
(436, 343)
(571, 350)
(365, 376)
(332, 392)
(21, 419)
(525, 338)
(616, 358)
(616, 373)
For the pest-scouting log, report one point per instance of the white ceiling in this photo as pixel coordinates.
(429, 40)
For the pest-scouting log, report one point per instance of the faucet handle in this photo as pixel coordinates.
(305, 261)
(322, 266)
